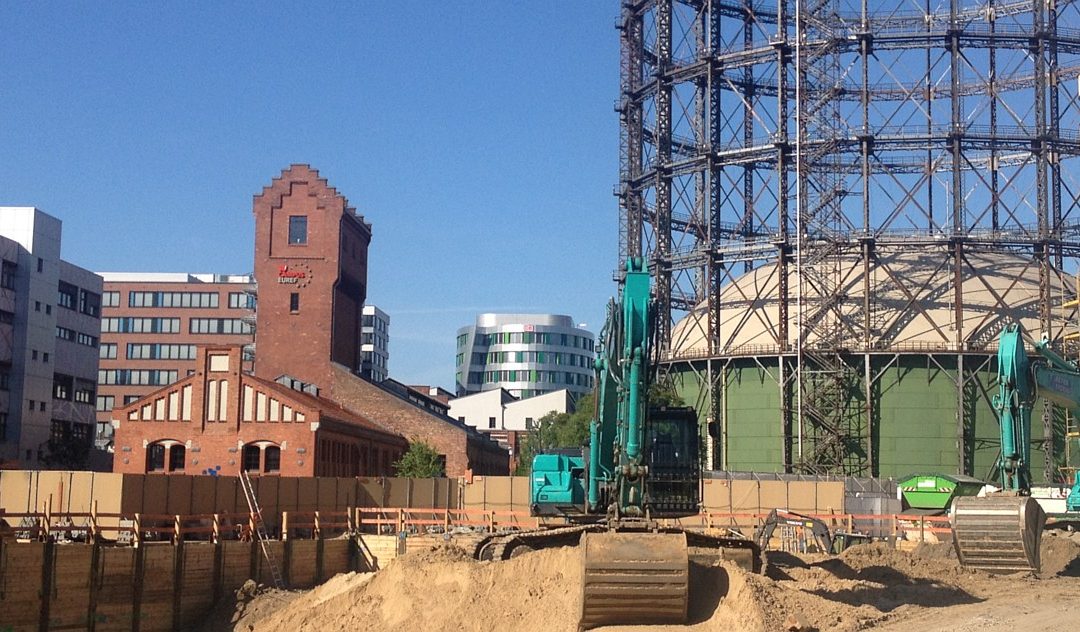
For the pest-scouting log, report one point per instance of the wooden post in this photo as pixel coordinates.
(850, 521)
(95, 533)
(284, 526)
(95, 576)
(446, 520)
(491, 521)
(922, 528)
(215, 535)
(317, 527)
(178, 530)
(48, 561)
(136, 536)
(219, 559)
(894, 527)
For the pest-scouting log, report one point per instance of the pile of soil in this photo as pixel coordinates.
(443, 588)
(1060, 554)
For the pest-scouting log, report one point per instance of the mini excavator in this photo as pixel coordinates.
(641, 466)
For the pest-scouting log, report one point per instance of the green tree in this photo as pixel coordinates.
(420, 461)
(557, 430)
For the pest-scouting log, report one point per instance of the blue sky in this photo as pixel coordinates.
(478, 138)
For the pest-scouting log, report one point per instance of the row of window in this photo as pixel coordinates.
(219, 326)
(132, 325)
(158, 351)
(69, 388)
(75, 298)
(170, 456)
(237, 300)
(537, 377)
(152, 377)
(173, 299)
(64, 333)
(532, 357)
(531, 338)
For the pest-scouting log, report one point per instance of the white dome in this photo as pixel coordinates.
(911, 308)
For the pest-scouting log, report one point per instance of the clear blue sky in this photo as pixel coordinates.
(478, 138)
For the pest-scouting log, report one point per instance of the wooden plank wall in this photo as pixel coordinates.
(156, 587)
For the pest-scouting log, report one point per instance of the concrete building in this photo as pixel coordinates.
(527, 354)
(220, 419)
(375, 344)
(151, 324)
(50, 314)
(505, 418)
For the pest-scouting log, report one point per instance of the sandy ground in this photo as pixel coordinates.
(868, 587)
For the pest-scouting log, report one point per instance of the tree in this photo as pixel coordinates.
(557, 430)
(420, 461)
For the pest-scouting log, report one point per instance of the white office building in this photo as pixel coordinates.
(374, 344)
(526, 354)
(50, 323)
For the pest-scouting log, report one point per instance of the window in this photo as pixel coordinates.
(219, 326)
(3, 426)
(62, 385)
(298, 229)
(159, 351)
(40, 264)
(141, 325)
(84, 394)
(252, 456)
(241, 300)
(7, 275)
(110, 299)
(48, 309)
(491, 422)
(41, 406)
(45, 357)
(66, 295)
(65, 334)
(33, 354)
(104, 403)
(155, 458)
(37, 306)
(107, 351)
(90, 303)
(7, 317)
(272, 459)
(86, 340)
(294, 302)
(176, 457)
(5, 379)
(31, 405)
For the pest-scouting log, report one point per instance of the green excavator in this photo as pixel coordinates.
(1001, 532)
(641, 466)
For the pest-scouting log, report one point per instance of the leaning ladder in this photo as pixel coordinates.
(260, 528)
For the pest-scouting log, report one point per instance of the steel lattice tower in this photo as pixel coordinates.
(820, 138)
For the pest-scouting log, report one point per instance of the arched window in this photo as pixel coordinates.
(263, 457)
(176, 457)
(167, 455)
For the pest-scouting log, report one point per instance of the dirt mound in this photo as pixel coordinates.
(1060, 555)
(444, 589)
(251, 603)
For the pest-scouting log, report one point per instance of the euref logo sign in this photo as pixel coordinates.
(295, 275)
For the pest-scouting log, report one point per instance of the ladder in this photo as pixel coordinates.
(260, 528)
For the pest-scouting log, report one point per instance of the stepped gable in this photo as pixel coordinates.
(326, 195)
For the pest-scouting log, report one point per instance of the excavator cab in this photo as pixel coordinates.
(673, 485)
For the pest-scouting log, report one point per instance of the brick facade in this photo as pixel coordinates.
(220, 419)
(322, 273)
(464, 448)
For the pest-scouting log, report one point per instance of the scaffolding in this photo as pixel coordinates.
(808, 134)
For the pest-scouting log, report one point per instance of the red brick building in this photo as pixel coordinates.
(220, 419)
(151, 324)
(311, 278)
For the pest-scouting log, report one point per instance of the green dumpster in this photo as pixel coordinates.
(934, 492)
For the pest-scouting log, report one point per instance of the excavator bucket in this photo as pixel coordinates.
(634, 577)
(998, 534)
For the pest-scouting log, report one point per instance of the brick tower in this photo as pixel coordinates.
(311, 268)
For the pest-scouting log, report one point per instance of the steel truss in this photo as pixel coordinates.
(803, 134)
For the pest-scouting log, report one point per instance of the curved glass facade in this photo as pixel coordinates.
(527, 354)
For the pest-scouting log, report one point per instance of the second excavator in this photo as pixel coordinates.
(641, 466)
(1001, 532)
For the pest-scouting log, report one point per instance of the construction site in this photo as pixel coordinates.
(849, 243)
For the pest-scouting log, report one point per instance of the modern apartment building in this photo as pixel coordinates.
(375, 344)
(151, 324)
(527, 354)
(49, 328)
